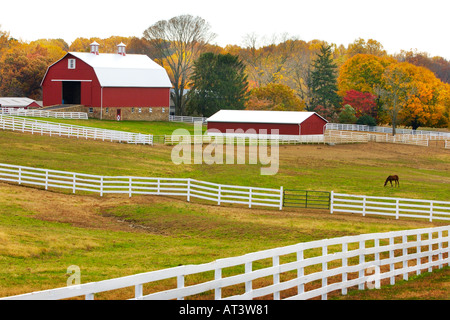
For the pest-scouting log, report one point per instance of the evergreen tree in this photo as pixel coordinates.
(323, 82)
(219, 82)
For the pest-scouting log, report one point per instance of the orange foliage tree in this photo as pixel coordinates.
(277, 97)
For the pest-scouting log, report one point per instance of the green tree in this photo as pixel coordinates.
(323, 82)
(219, 82)
(347, 114)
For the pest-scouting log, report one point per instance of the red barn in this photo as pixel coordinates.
(288, 123)
(109, 85)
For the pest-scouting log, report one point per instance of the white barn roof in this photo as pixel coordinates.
(15, 102)
(261, 116)
(131, 70)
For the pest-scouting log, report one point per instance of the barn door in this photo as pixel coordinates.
(71, 92)
(119, 115)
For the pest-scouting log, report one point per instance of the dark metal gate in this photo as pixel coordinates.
(306, 199)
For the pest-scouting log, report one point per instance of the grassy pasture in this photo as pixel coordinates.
(44, 232)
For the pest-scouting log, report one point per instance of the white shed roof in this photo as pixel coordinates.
(131, 70)
(15, 102)
(261, 116)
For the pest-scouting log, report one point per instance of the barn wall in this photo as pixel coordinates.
(136, 97)
(284, 129)
(313, 125)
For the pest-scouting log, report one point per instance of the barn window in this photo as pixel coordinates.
(163, 110)
(72, 63)
(150, 110)
(107, 110)
(91, 110)
(132, 110)
(140, 110)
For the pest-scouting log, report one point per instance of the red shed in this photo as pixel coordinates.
(288, 123)
(18, 103)
(109, 86)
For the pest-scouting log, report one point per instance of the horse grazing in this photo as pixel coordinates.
(392, 178)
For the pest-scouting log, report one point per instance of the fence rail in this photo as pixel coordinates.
(67, 130)
(396, 207)
(43, 113)
(309, 270)
(189, 188)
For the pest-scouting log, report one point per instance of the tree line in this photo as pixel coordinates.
(358, 83)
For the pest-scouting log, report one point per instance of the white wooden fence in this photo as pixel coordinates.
(187, 119)
(189, 188)
(301, 271)
(332, 136)
(243, 140)
(358, 127)
(395, 207)
(43, 113)
(66, 130)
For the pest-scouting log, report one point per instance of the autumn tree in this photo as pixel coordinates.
(323, 81)
(23, 66)
(179, 42)
(277, 97)
(360, 46)
(362, 102)
(219, 82)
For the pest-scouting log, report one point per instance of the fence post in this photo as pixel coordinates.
(397, 213)
(250, 197)
(130, 187)
(158, 186)
(180, 284)
(362, 246)
(20, 175)
(218, 290)
(138, 291)
(391, 256)
(219, 194)
(46, 179)
(101, 186)
(331, 201)
(281, 197)
(189, 189)
(431, 211)
(276, 277)
(300, 273)
(405, 260)
(364, 206)
(324, 269)
(418, 250)
(74, 182)
(248, 269)
(344, 267)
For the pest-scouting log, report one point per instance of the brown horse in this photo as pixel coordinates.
(392, 178)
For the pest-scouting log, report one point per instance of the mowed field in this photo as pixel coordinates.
(42, 233)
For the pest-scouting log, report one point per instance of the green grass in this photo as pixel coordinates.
(44, 232)
(156, 128)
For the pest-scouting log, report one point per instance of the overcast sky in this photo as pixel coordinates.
(396, 24)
